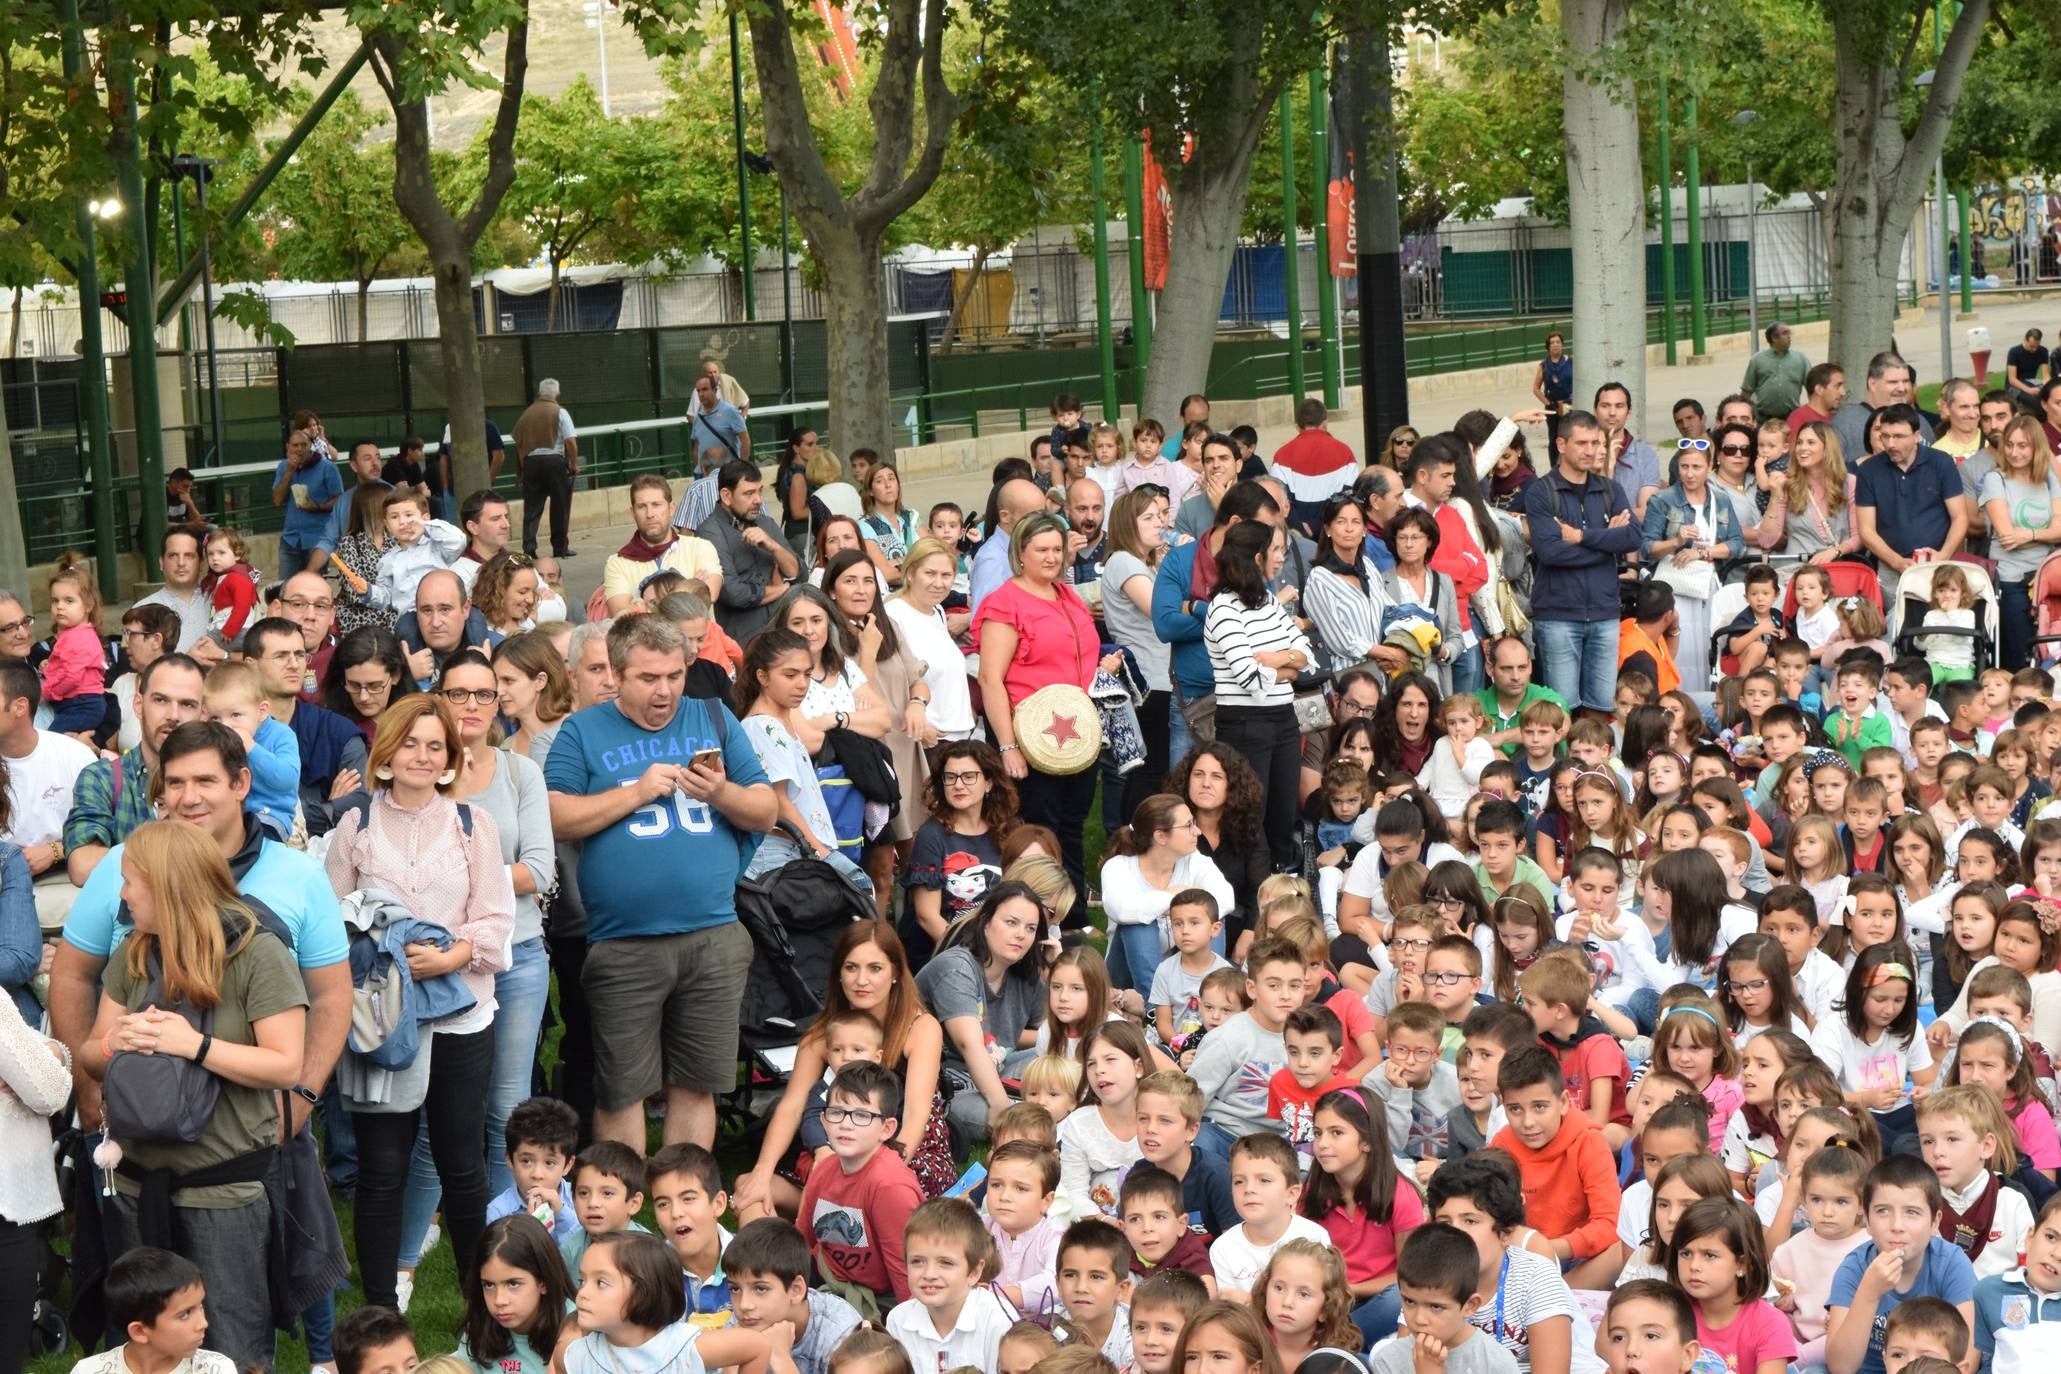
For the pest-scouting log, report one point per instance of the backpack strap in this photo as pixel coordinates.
(465, 818)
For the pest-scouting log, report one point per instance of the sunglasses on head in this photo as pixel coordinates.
(1700, 445)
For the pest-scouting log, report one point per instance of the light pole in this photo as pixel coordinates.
(1923, 82)
(598, 12)
(201, 170)
(762, 165)
(1746, 119)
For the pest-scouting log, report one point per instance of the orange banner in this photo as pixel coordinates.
(837, 50)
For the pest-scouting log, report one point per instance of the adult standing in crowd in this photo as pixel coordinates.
(1015, 500)
(1810, 504)
(655, 546)
(199, 944)
(18, 626)
(985, 987)
(897, 678)
(441, 624)
(305, 600)
(332, 749)
(1034, 631)
(484, 518)
(509, 789)
(796, 486)
(1631, 462)
(43, 771)
(928, 629)
(148, 634)
(2022, 499)
(413, 842)
(179, 564)
(1219, 472)
(1315, 465)
(36, 1073)
(1224, 799)
(1413, 540)
(872, 978)
(1256, 652)
(1181, 589)
(889, 526)
(1580, 523)
(306, 483)
(1690, 521)
(1136, 545)
(1888, 384)
(367, 675)
(111, 797)
(758, 567)
(358, 548)
(1824, 393)
(1910, 504)
(665, 968)
(534, 691)
(547, 459)
(714, 423)
(1553, 384)
(1775, 375)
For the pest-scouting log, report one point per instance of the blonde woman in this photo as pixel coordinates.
(1137, 530)
(198, 938)
(1811, 505)
(2022, 501)
(917, 612)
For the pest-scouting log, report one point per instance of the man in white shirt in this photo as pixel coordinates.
(179, 561)
(42, 767)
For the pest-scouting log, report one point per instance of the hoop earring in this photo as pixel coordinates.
(447, 777)
(383, 774)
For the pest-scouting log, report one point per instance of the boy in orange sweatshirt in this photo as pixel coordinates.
(1570, 1176)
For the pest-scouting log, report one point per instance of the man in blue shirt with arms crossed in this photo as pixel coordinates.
(662, 792)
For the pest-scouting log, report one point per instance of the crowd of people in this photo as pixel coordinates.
(1557, 913)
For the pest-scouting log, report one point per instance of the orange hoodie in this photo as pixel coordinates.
(1570, 1186)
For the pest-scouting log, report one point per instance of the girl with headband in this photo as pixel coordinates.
(1692, 1040)
(1873, 1044)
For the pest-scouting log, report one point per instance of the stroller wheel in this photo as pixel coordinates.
(49, 1335)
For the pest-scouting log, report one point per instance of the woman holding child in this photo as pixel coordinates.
(1811, 505)
(873, 981)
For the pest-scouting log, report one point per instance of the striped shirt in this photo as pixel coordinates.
(1344, 610)
(1234, 634)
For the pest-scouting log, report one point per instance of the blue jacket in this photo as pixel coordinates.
(1668, 509)
(21, 937)
(383, 928)
(1576, 581)
(1183, 631)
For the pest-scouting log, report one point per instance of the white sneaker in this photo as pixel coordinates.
(404, 1289)
(430, 1237)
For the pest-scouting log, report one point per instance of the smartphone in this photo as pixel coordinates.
(706, 758)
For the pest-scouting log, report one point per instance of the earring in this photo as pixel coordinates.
(447, 777)
(383, 774)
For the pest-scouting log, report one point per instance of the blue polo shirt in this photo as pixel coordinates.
(293, 885)
(304, 529)
(668, 868)
(1910, 504)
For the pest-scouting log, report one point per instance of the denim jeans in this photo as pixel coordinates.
(1643, 1007)
(1179, 738)
(293, 558)
(1134, 955)
(1379, 1315)
(519, 996)
(1581, 660)
(2014, 623)
(1468, 673)
(1212, 1141)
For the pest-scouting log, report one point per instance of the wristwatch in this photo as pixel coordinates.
(306, 1094)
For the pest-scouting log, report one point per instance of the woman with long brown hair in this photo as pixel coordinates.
(957, 855)
(1810, 506)
(1146, 864)
(873, 978)
(199, 944)
(535, 692)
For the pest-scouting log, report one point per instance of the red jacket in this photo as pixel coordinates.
(854, 1222)
(1570, 1186)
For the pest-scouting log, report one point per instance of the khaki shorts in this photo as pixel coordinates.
(665, 1011)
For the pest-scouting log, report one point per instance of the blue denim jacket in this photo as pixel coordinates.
(1668, 510)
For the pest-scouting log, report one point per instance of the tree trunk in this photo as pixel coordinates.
(1606, 192)
(14, 548)
(961, 301)
(14, 325)
(364, 309)
(1208, 195)
(855, 317)
(1882, 175)
(551, 306)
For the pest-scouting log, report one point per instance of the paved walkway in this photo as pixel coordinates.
(1503, 390)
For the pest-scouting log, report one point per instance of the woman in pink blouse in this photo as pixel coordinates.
(414, 843)
(1033, 631)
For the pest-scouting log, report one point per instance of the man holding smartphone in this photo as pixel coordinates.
(667, 798)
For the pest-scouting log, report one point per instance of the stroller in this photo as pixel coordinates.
(1914, 592)
(1848, 579)
(795, 915)
(1725, 607)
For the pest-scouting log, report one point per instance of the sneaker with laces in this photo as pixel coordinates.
(404, 1289)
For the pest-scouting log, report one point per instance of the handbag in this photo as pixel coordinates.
(1697, 581)
(160, 1099)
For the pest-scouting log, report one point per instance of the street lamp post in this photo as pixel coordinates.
(1746, 119)
(597, 19)
(201, 170)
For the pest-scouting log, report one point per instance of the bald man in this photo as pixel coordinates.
(991, 568)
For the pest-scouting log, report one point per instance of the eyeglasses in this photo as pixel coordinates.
(14, 627)
(1445, 902)
(1395, 1051)
(479, 696)
(1356, 710)
(1398, 942)
(858, 1116)
(963, 779)
(1757, 986)
(292, 603)
(368, 689)
(1447, 980)
(1700, 445)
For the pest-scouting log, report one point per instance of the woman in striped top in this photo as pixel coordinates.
(1255, 652)
(1340, 592)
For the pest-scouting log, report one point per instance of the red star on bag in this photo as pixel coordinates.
(1062, 730)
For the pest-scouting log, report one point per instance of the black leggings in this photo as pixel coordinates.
(1271, 742)
(1141, 783)
(460, 1069)
(1061, 804)
(21, 1250)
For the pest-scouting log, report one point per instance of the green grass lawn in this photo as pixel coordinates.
(437, 1310)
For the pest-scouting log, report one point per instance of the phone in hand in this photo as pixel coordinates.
(706, 758)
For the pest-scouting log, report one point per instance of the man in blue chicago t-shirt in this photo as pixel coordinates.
(663, 843)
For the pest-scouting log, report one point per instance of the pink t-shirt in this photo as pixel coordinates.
(1368, 1246)
(1759, 1333)
(2036, 1136)
(1725, 1097)
(1056, 640)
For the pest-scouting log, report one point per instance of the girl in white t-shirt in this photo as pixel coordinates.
(770, 687)
(1873, 1044)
